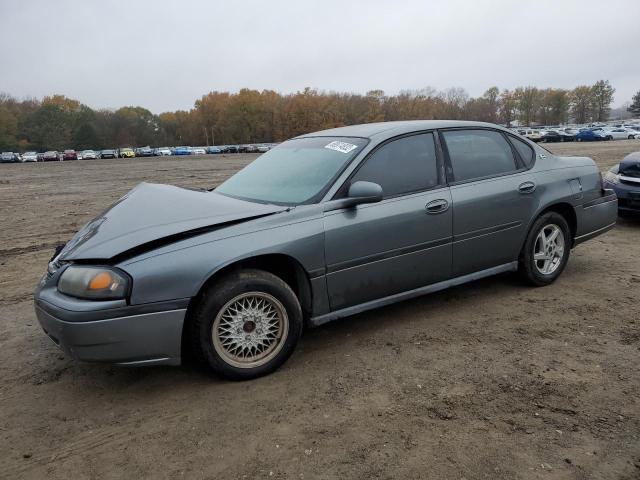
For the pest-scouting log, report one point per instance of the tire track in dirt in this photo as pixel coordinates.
(6, 253)
(86, 442)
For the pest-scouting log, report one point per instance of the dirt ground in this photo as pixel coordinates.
(490, 380)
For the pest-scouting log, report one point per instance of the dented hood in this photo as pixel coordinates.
(150, 213)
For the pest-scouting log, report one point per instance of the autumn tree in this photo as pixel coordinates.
(634, 108)
(582, 103)
(507, 107)
(528, 102)
(601, 97)
(8, 129)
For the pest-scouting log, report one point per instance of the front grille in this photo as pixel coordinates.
(628, 182)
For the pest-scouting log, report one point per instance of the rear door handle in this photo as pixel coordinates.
(527, 187)
(437, 206)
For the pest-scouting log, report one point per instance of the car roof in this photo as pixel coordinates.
(390, 129)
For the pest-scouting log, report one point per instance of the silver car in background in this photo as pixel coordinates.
(30, 157)
(88, 155)
(320, 227)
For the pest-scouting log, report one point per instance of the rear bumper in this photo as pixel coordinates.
(146, 339)
(597, 217)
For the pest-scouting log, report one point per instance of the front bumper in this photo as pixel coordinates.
(628, 196)
(142, 339)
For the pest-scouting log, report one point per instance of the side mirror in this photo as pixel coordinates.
(359, 192)
(364, 192)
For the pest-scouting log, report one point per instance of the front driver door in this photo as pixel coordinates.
(399, 244)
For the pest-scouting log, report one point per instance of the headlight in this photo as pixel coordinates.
(94, 283)
(612, 178)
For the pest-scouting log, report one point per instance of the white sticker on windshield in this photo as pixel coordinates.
(343, 147)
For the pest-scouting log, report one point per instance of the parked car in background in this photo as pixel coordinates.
(624, 179)
(182, 151)
(262, 148)
(250, 149)
(213, 149)
(162, 151)
(126, 152)
(233, 149)
(569, 134)
(533, 135)
(50, 156)
(588, 135)
(89, 155)
(30, 157)
(69, 155)
(109, 153)
(198, 151)
(40, 156)
(326, 225)
(620, 134)
(551, 136)
(9, 157)
(144, 152)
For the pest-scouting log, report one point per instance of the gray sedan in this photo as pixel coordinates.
(320, 227)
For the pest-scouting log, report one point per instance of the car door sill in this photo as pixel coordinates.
(398, 297)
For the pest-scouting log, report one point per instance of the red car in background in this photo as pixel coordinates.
(69, 155)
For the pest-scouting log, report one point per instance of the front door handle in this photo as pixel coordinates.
(437, 206)
(527, 187)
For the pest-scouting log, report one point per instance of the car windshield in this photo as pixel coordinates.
(294, 172)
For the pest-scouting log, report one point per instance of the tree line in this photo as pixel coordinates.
(251, 116)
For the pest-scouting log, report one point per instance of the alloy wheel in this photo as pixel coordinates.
(548, 249)
(250, 329)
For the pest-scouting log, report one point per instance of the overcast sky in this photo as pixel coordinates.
(163, 55)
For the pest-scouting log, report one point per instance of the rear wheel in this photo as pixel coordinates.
(246, 325)
(546, 249)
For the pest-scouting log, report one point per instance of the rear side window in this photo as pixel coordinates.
(478, 153)
(402, 166)
(525, 151)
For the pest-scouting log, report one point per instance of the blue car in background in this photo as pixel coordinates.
(624, 179)
(213, 150)
(589, 136)
(182, 151)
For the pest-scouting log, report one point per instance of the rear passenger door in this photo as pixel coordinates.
(399, 244)
(493, 195)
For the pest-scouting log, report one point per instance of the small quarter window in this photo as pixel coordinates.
(525, 151)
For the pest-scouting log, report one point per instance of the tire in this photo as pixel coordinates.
(630, 137)
(531, 269)
(218, 308)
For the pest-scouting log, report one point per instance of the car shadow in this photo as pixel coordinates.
(631, 219)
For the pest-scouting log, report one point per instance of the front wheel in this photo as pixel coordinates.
(246, 325)
(546, 250)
